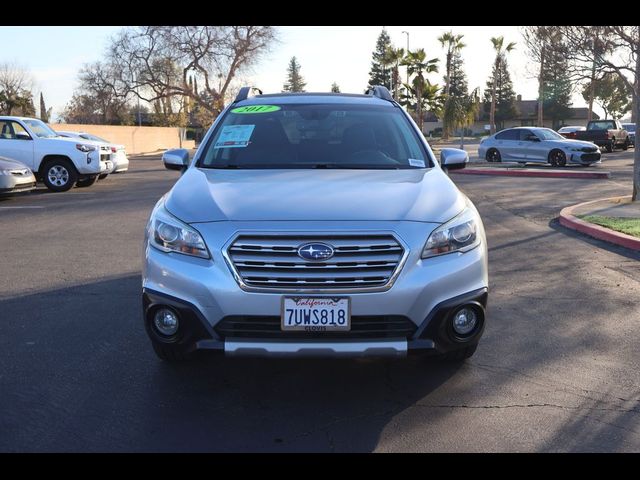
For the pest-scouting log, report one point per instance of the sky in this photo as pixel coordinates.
(342, 54)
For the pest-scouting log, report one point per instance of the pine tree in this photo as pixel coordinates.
(505, 96)
(335, 88)
(43, 110)
(380, 73)
(458, 84)
(556, 87)
(295, 82)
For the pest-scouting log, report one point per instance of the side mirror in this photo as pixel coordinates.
(22, 136)
(453, 158)
(176, 159)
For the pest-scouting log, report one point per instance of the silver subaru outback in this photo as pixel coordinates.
(314, 224)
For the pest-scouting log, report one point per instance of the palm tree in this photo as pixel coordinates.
(498, 44)
(452, 43)
(431, 97)
(394, 56)
(418, 65)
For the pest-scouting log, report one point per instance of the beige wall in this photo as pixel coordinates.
(135, 139)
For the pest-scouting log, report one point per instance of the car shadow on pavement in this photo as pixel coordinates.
(610, 247)
(78, 374)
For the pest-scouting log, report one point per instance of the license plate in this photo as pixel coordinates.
(315, 314)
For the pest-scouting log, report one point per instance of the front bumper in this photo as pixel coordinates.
(434, 335)
(424, 293)
(17, 183)
(585, 158)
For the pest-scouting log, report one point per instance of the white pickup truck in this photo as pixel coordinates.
(58, 162)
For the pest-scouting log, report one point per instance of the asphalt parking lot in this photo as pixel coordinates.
(557, 370)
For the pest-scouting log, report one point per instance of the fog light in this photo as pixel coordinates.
(166, 322)
(464, 321)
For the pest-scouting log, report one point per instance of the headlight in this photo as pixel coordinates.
(5, 172)
(85, 148)
(169, 234)
(576, 149)
(460, 234)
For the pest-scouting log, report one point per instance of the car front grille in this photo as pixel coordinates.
(590, 157)
(589, 149)
(272, 261)
(259, 327)
(105, 157)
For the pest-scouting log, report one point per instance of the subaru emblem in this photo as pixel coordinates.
(315, 251)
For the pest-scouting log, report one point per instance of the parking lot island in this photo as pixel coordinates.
(615, 207)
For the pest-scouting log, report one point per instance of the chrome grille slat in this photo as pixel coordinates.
(272, 261)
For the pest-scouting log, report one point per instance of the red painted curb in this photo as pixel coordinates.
(530, 173)
(596, 231)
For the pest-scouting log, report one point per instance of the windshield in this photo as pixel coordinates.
(601, 125)
(315, 136)
(88, 136)
(41, 129)
(548, 134)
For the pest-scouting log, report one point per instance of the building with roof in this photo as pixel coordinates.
(527, 117)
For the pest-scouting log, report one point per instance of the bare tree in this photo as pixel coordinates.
(15, 89)
(610, 49)
(96, 99)
(540, 40)
(156, 62)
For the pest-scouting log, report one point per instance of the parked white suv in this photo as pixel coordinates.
(59, 162)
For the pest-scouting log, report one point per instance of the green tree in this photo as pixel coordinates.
(418, 66)
(45, 114)
(461, 111)
(458, 86)
(611, 94)
(499, 64)
(295, 82)
(499, 97)
(556, 85)
(335, 88)
(380, 74)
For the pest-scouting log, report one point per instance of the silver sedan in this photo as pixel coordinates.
(15, 177)
(537, 145)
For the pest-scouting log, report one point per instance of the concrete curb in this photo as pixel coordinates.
(523, 172)
(572, 222)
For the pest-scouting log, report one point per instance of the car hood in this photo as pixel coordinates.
(571, 144)
(209, 195)
(9, 164)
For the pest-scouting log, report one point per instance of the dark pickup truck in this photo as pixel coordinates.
(605, 133)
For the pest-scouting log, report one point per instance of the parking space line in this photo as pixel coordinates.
(22, 206)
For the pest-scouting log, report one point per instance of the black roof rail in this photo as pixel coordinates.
(380, 92)
(244, 93)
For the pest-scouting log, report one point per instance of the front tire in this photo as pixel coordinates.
(59, 175)
(493, 155)
(102, 176)
(609, 146)
(557, 158)
(625, 145)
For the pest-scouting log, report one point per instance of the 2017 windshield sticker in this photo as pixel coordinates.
(234, 136)
(416, 163)
(256, 109)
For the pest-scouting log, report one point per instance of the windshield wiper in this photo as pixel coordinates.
(354, 166)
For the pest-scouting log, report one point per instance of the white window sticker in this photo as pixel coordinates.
(416, 163)
(234, 136)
